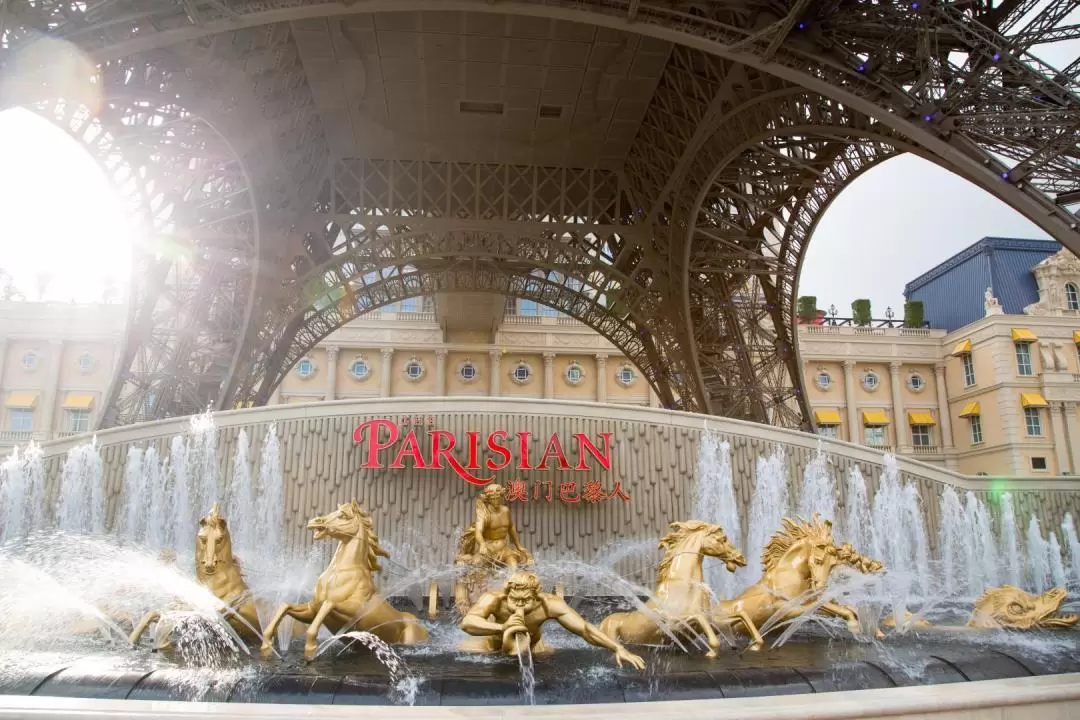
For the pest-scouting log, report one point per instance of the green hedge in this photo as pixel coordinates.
(808, 308)
(860, 311)
(913, 314)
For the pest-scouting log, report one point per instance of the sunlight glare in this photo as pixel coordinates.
(62, 226)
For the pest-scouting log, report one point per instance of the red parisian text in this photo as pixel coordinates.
(493, 453)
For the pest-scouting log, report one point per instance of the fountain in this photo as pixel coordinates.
(173, 590)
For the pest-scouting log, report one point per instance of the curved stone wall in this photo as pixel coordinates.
(653, 457)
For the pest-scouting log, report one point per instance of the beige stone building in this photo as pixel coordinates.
(998, 396)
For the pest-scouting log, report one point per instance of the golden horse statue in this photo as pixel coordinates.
(489, 544)
(345, 594)
(682, 599)
(218, 570)
(797, 561)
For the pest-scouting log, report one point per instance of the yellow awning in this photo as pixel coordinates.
(75, 401)
(1076, 336)
(1023, 335)
(875, 417)
(916, 417)
(964, 346)
(1033, 400)
(26, 401)
(827, 417)
(971, 409)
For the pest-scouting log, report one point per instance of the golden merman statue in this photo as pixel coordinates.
(797, 561)
(489, 544)
(1011, 607)
(345, 594)
(219, 571)
(503, 619)
(681, 599)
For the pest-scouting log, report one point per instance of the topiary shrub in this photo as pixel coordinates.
(860, 311)
(913, 314)
(808, 308)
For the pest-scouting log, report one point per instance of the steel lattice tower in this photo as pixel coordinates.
(653, 169)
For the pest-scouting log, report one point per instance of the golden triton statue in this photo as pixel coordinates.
(345, 594)
(489, 544)
(797, 561)
(1010, 607)
(504, 619)
(681, 599)
(219, 571)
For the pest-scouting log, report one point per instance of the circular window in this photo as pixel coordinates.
(916, 383)
(30, 360)
(85, 363)
(360, 369)
(823, 380)
(625, 376)
(521, 373)
(468, 371)
(414, 370)
(305, 368)
(870, 381)
(574, 373)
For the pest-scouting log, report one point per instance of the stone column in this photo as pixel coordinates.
(496, 371)
(3, 359)
(601, 377)
(944, 418)
(440, 372)
(275, 397)
(1073, 432)
(1057, 432)
(56, 351)
(387, 367)
(853, 434)
(331, 372)
(549, 375)
(901, 430)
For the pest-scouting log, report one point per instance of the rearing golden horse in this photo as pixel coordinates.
(219, 571)
(345, 594)
(797, 562)
(682, 598)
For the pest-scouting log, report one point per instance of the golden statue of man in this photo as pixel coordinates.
(492, 539)
(503, 619)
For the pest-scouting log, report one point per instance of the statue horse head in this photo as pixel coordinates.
(694, 539)
(213, 544)
(808, 549)
(349, 522)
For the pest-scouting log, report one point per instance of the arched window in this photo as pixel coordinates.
(1072, 296)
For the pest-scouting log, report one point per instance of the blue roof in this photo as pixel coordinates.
(952, 293)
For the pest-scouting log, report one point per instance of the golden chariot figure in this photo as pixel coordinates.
(488, 545)
(505, 620)
(1012, 608)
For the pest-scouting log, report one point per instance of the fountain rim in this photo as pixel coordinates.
(587, 410)
(939, 700)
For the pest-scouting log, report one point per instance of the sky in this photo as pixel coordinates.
(60, 218)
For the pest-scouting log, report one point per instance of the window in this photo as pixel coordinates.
(531, 307)
(305, 368)
(85, 362)
(412, 305)
(30, 360)
(21, 420)
(829, 431)
(969, 369)
(1072, 297)
(1033, 422)
(870, 381)
(823, 380)
(976, 429)
(1023, 359)
(359, 369)
(467, 371)
(414, 370)
(521, 373)
(574, 373)
(625, 376)
(78, 420)
(920, 435)
(874, 435)
(915, 382)
(1038, 463)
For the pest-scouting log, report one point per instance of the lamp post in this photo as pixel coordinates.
(889, 315)
(832, 314)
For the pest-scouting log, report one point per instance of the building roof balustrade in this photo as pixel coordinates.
(862, 331)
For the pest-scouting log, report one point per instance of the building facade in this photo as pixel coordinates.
(999, 395)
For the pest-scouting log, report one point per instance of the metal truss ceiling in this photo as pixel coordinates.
(655, 169)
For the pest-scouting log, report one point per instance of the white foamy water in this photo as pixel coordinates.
(768, 507)
(1068, 528)
(22, 493)
(1038, 556)
(1012, 561)
(818, 492)
(715, 502)
(81, 505)
(857, 528)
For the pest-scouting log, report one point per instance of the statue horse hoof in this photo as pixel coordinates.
(712, 654)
